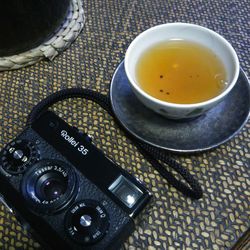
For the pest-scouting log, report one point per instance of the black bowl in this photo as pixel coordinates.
(26, 24)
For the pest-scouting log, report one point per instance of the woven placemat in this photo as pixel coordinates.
(61, 40)
(221, 217)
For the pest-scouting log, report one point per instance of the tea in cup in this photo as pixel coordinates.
(181, 70)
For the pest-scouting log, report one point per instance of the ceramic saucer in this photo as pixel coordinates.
(205, 132)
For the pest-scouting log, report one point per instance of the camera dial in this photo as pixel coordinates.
(49, 185)
(18, 156)
(87, 222)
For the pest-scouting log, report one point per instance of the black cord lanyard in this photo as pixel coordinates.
(151, 153)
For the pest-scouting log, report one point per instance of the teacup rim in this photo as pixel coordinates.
(135, 85)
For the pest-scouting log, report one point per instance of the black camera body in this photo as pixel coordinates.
(66, 191)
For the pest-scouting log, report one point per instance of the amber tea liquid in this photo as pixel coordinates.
(181, 72)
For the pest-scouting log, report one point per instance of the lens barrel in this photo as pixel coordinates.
(49, 186)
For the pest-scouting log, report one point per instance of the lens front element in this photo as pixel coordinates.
(51, 185)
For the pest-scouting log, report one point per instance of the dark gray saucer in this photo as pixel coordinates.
(203, 133)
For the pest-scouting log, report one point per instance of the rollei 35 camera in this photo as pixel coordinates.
(65, 191)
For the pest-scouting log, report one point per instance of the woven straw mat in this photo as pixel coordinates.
(221, 217)
(61, 40)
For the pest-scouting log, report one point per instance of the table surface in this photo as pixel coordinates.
(221, 217)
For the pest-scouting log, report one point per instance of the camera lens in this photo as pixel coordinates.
(49, 186)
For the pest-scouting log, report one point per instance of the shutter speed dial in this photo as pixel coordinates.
(18, 155)
(87, 222)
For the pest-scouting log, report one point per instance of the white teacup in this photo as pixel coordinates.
(188, 32)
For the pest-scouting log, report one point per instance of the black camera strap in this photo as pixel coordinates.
(153, 154)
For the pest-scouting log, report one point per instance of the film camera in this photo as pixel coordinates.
(65, 191)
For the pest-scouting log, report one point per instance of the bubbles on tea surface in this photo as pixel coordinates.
(221, 83)
(218, 76)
